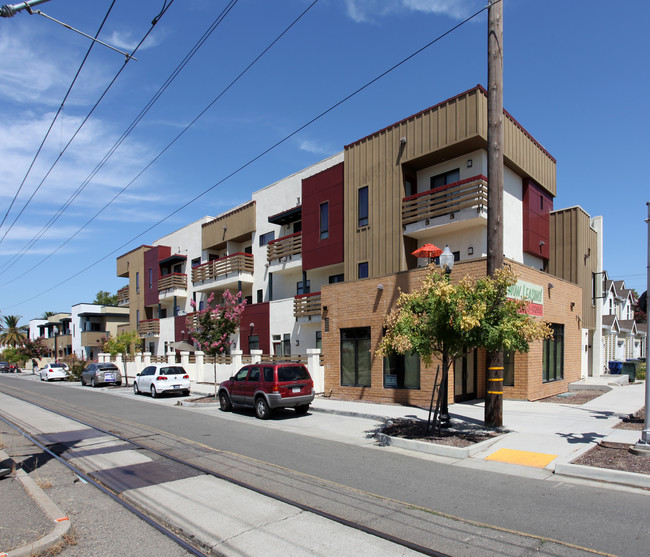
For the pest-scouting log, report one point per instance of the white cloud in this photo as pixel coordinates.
(313, 147)
(364, 11)
(126, 41)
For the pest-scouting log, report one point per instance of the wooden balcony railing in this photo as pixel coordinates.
(123, 296)
(469, 193)
(149, 327)
(284, 247)
(305, 305)
(172, 281)
(91, 338)
(236, 263)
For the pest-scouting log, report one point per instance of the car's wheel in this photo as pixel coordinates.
(93, 383)
(83, 381)
(118, 384)
(187, 393)
(224, 402)
(302, 409)
(262, 410)
(136, 391)
(42, 378)
(154, 394)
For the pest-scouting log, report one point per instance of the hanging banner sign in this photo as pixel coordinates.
(531, 293)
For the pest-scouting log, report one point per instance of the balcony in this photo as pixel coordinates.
(225, 272)
(463, 202)
(285, 253)
(149, 328)
(91, 338)
(174, 284)
(123, 296)
(307, 306)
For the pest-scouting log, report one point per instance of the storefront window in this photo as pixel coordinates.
(402, 371)
(355, 357)
(553, 355)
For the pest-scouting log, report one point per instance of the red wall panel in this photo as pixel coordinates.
(258, 314)
(326, 186)
(537, 204)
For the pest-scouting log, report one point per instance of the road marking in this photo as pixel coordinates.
(525, 458)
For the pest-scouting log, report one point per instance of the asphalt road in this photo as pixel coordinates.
(338, 449)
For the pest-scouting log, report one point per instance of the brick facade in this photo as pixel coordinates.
(363, 304)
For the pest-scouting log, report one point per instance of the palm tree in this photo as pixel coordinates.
(47, 314)
(12, 334)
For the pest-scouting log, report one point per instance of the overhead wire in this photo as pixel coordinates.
(123, 137)
(262, 154)
(47, 133)
(74, 135)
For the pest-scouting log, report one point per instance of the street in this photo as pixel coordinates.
(332, 463)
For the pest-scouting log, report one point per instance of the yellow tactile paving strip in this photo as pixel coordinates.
(525, 458)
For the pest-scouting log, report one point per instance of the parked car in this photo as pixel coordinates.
(6, 367)
(162, 378)
(101, 374)
(54, 371)
(267, 387)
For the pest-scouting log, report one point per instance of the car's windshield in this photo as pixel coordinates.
(292, 373)
(176, 370)
(107, 366)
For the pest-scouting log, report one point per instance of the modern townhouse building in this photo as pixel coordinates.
(56, 332)
(576, 254)
(320, 256)
(91, 323)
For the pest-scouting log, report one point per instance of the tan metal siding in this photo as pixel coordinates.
(233, 226)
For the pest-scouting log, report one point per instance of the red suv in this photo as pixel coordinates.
(267, 387)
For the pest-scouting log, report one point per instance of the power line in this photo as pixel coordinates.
(77, 132)
(40, 147)
(259, 156)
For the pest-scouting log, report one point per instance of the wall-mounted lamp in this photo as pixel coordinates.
(297, 342)
(469, 163)
(402, 140)
(251, 325)
(380, 286)
(470, 250)
(551, 285)
(573, 304)
(588, 254)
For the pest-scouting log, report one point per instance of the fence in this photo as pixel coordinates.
(204, 369)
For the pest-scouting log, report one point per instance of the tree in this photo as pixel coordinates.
(123, 344)
(641, 307)
(105, 298)
(33, 349)
(212, 328)
(12, 334)
(47, 314)
(447, 320)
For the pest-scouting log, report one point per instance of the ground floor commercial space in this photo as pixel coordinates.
(353, 324)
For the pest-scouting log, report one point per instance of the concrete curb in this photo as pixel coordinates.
(61, 522)
(603, 475)
(434, 449)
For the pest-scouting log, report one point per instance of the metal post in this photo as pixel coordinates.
(645, 434)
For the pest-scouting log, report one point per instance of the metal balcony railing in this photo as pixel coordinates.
(305, 305)
(284, 247)
(469, 193)
(236, 263)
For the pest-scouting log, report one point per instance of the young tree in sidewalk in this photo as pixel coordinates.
(447, 320)
(33, 350)
(211, 327)
(123, 344)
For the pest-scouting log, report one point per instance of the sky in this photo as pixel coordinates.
(575, 76)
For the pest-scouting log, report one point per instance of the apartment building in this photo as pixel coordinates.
(319, 256)
(91, 323)
(622, 338)
(56, 332)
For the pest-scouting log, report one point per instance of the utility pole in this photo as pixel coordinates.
(643, 445)
(10, 10)
(494, 360)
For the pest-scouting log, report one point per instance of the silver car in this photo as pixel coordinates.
(101, 374)
(157, 379)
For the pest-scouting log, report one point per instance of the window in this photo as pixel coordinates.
(150, 278)
(254, 375)
(137, 316)
(336, 278)
(242, 374)
(137, 282)
(319, 340)
(402, 371)
(324, 220)
(268, 374)
(253, 342)
(363, 270)
(445, 178)
(260, 296)
(355, 357)
(553, 355)
(363, 206)
(266, 238)
(302, 287)
(196, 262)
(509, 369)
(286, 344)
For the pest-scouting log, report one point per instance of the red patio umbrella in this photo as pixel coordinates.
(428, 250)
